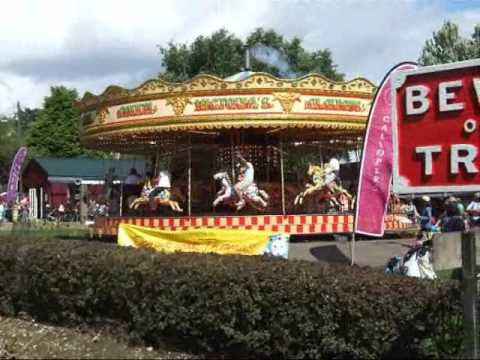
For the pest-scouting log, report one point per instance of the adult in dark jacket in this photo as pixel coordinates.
(452, 220)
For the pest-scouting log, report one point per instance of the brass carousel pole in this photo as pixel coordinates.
(189, 175)
(232, 157)
(282, 176)
(320, 152)
(156, 165)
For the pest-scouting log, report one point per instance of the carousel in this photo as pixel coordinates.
(251, 151)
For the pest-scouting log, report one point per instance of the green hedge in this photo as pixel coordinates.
(234, 305)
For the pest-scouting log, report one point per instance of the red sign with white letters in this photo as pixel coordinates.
(436, 128)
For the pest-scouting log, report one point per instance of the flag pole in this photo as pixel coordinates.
(375, 190)
(352, 248)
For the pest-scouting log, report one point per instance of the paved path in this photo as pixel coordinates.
(374, 253)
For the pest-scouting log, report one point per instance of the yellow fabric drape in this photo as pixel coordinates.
(219, 241)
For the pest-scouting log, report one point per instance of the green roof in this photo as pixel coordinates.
(88, 169)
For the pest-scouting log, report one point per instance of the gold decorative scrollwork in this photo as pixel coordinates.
(87, 119)
(179, 103)
(101, 114)
(287, 100)
(208, 84)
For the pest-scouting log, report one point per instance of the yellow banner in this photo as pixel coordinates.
(219, 241)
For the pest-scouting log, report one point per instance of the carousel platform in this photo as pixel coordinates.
(288, 224)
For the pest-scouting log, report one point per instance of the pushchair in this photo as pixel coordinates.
(417, 262)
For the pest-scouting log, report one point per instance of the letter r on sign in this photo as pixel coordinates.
(467, 160)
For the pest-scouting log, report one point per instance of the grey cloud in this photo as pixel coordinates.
(71, 66)
(365, 37)
(90, 60)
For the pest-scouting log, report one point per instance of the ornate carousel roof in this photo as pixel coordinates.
(157, 111)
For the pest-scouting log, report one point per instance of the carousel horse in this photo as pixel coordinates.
(330, 191)
(253, 196)
(317, 173)
(153, 197)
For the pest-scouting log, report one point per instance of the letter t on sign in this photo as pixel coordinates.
(428, 158)
(476, 85)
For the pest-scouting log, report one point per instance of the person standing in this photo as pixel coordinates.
(2, 212)
(108, 183)
(451, 220)
(410, 211)
(473, 210)
(133, 178)
(461, 207)
(61, 213)
(24, 210)
(426, 216)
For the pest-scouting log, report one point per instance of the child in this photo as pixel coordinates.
(2, 212)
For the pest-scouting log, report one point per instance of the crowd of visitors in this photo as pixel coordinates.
(449, 216)
(19, 211)
(434, 215)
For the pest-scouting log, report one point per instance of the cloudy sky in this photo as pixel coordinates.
(90, 44)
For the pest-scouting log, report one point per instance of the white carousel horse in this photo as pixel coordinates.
(253, 196)
(324, 182)
(156, 196)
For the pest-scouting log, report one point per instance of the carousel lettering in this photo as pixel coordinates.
(132, 110)
(333, 104)
(233, 103)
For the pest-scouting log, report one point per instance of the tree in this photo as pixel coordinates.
(56, 131)
(8, 147)
(25, 117)
(475, 43)
(447, 45)
(219, 54)
(222, 54)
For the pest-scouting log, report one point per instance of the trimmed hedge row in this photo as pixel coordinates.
(232, 304)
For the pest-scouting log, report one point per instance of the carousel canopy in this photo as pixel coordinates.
(204, 108)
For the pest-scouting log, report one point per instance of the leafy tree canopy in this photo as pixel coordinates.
(12, 136)
(447, 45)
(222, 54)
(8, 147)
(25, 117)
(56, 131)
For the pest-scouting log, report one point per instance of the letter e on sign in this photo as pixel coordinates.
(435, 111)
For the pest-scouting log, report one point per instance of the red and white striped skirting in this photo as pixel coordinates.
(289, 224)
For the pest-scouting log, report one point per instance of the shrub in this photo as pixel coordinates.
(238, 305)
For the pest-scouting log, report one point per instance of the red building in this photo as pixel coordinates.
(56, 181)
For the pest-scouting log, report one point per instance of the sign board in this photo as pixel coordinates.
(229, 105)
(436, 128)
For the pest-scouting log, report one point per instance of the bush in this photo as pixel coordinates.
(237, 305)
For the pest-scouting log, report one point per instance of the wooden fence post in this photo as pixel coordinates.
(469, 292)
